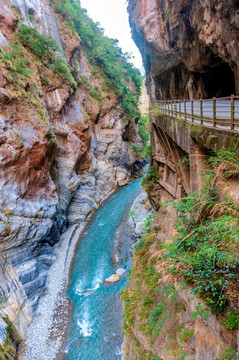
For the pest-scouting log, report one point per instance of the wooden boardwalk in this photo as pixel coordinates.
(220, 113)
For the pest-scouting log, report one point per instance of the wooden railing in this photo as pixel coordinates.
(221, 113)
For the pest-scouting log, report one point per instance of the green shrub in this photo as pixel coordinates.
(46, 49)
(104, 53)
(15, 61)
(8, 351)
(228, 354)
(231, 319)
(147, 223)
(187, 335)
(149, 178)
(144, 129)
(226, 161)
(154, 316)
(207, 245)
(147, 151)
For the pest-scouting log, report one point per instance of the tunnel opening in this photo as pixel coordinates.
(172, 84)
(219, 81)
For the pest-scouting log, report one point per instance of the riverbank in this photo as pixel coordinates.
(95, 321)
(46, 333)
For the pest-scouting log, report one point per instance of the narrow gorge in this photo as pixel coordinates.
(73, 130)
(67, 115)
(182, 299)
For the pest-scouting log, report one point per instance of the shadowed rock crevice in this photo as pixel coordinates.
(189, 48)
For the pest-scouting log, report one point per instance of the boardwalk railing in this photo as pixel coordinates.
(222, 113)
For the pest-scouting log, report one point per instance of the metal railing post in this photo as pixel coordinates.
(232, 112)
(178, 109)
(214, 112)
(192, 111)
(201, 111)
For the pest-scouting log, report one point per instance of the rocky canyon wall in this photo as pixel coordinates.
(189, 48)
(168, 315)
(61, 147)
(163, 317)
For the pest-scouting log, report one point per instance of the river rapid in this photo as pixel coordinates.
(94, 331)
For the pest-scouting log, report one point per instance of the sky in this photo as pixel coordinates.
(113, 17)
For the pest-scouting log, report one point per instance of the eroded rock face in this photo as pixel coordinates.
(179, 332)
(189, 48)
(61, 154)
(14, 302)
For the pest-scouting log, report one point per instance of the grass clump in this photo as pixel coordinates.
(8, 350)
(93, 91)
(142, 149)
(187, 335)
(16, 62)
(133, 297)
(46, 49)
(150, 177)
(205, 252)
(228, 354)
(207, 247)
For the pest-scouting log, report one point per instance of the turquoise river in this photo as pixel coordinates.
(94, 331)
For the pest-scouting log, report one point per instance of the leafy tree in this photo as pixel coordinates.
(104, 53)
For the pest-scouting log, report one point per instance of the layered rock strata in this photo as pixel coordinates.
(61, 153)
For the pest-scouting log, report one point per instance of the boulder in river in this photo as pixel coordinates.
(112, 279)
(120, 271)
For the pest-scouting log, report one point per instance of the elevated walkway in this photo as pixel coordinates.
(216, 113)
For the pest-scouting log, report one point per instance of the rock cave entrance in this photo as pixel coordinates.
(219, 81)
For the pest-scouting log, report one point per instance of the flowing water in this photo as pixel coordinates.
(95, 326)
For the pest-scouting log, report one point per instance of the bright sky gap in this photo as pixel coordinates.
(113, 17)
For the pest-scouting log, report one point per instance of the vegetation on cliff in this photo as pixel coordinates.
(32, 52)
(208, 237)
(46, 49)
(32, 62)
(143, 148)
(8, 351)
(28, 43)
(203, 256)
(105, 54)
(151, 307)
(39, 87)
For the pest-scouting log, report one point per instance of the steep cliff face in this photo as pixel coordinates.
(61, 146)
(189, 48)
(180, 304)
